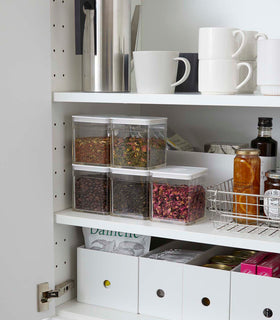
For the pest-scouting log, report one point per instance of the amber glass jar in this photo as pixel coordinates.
(272, 189)
(246, 179)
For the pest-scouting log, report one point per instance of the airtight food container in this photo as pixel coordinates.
(91, 189)
(91, 140)
(139, 142)
(178, 194)
(130, 193)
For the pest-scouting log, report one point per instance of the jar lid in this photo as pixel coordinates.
(91, 119)
(179, 172)
(248, 152)
(130, 172)
(273, 174)
(81, 167)
(136, 120)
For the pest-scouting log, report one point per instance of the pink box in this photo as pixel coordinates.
(270, 267)
(250, 264)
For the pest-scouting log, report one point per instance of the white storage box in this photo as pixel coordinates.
(107, 279)
(206, 291)
(161, 283)
(178, 194)
(254, 297)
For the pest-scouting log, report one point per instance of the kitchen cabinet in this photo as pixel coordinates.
(39, 233)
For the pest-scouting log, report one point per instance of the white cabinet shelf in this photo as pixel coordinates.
(75, 310)
(249, 100)
(201, 232)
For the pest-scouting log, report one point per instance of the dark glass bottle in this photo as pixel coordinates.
(264, 142)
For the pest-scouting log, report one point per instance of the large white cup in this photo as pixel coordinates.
(249, 52)
(220, 43)
(156, 71)
(268, 74)
(221, 76)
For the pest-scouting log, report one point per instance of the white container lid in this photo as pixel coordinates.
(179, 172)
(130, 172)
(80, 167)
(137, 120)
(91, 119)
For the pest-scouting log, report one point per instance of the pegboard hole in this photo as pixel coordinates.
(64, 240)
(55, 172)
(64, 170)
(65, 262)
(56, 266)
(64, 194)
(62, 26)
(54, 75)
(64, 147)
(53, 50)
(63, 123)
(54, 124)
(63, 75)
(63, 50)
(55, 195)
(205, 301)
(53, 25)
(54, 148)
(56, 243)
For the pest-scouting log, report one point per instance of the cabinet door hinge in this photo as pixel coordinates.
(45, 294)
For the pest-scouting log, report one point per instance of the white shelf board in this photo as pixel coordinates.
(249, 100)
(75, 310)
(201, 232)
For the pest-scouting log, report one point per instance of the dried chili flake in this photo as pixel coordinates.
(179, 203)
(93, 150)
(92, 194)
(139, 152)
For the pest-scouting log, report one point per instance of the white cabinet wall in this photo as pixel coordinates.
(37, 57)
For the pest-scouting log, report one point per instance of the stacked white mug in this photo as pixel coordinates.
(219, 65)
(249, 55)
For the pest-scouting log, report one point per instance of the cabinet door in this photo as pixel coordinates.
(26, 210)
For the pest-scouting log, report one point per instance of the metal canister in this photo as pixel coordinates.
(226, 260)
(243, 254)
(218, 266)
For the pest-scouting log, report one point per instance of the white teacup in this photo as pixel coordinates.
(220, 43)
(221, 76)
(249, 52)
(156, 71)
(268, 74)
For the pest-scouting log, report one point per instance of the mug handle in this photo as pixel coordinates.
(187, 71)
(261, 35)
(249, 75)
(243, 41)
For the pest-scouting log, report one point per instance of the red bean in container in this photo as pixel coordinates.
(178, 194)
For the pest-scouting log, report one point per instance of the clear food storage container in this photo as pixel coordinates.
(130, 193)
(178, 194)
(139, 142)
(91, 140)
(91, 189)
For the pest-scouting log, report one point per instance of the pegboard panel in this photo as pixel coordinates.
(66, 241)
(66, 65)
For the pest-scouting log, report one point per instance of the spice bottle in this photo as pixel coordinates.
(267, 147)
(91, 140)
(178, 194)
(272, 194)
(246, 181)
(138, 142)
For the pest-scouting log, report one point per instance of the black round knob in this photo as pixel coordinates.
(160, 293)
(267, 313)
(205, 301)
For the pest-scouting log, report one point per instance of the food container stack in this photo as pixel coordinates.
(178, 194)
(119, 168)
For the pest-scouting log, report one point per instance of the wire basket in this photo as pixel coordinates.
(243, 212)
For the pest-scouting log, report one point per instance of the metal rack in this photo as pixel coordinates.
(243, 212)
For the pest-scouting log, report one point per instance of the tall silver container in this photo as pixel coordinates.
(107, 47)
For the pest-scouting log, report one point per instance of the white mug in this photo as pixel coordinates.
(156, 71)
(220, 43)
(251, 85)
(268, 74)
(249, 52)
(221, 76)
